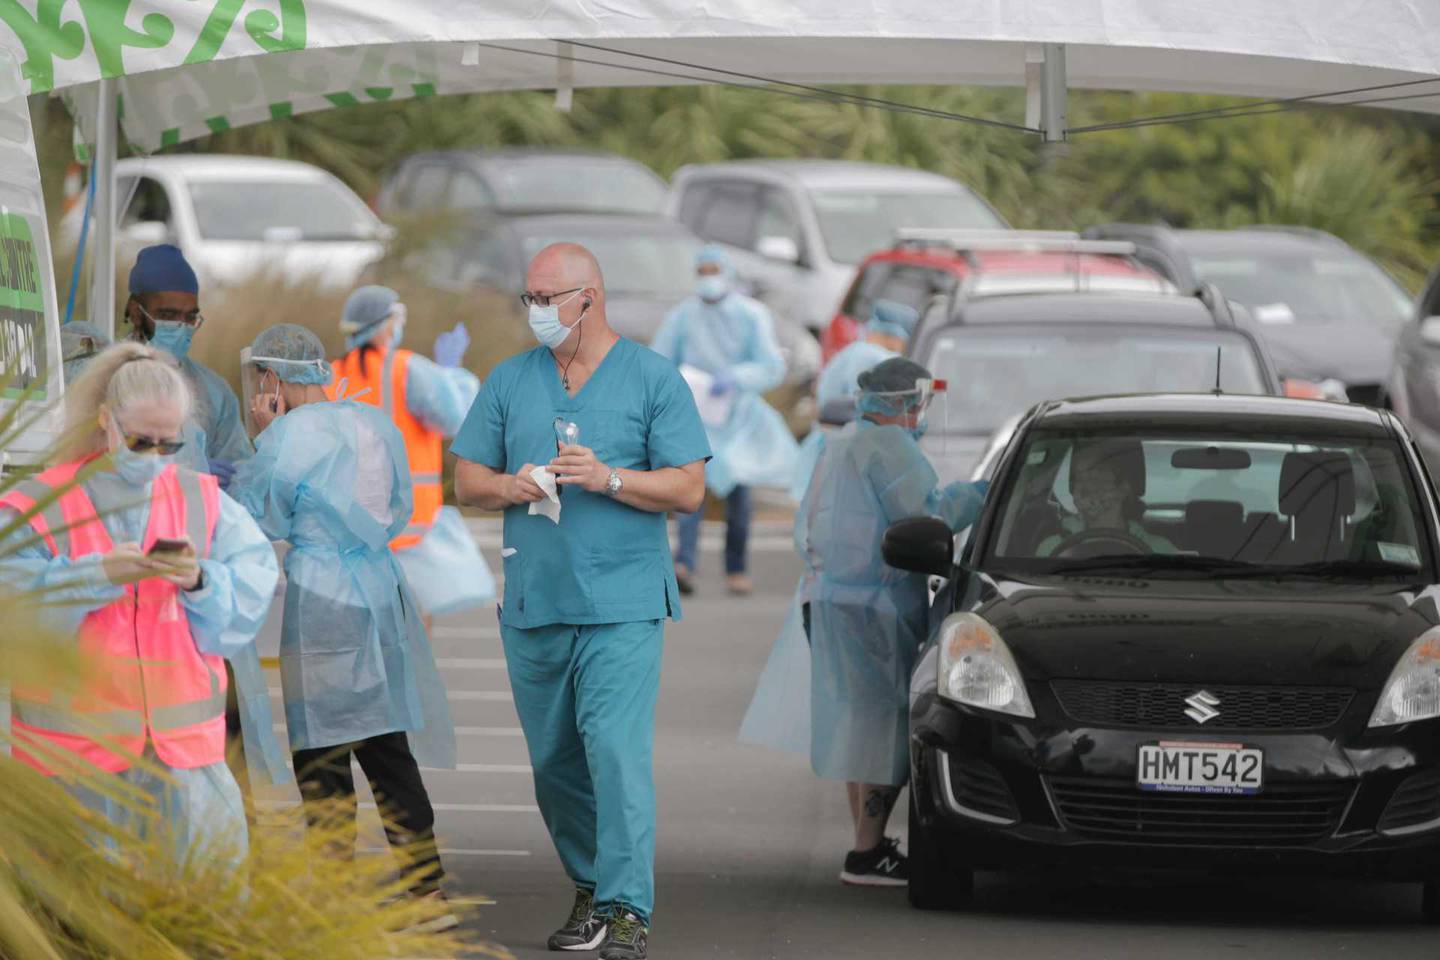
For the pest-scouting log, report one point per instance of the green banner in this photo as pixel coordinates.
(22, 307)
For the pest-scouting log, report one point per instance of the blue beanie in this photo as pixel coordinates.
(162, 269)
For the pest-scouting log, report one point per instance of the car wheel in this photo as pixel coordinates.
(938, 879)
(1429, 903)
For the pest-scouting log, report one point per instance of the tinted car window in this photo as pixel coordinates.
(994, 374)
(279, 210)
(1264, 499)
(1284, 288)
(727, 213)
(576, 184)
(149, 202)
(911, 285)
(467, 192)
(778, 218)
(425, 187)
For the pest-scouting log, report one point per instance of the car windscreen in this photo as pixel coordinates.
(993, 374)
(576, 185)
(856, 223)
(639, 264)
(1285, 288)
(279, 210)
(1215, 502)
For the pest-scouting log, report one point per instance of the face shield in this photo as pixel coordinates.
(916, 402)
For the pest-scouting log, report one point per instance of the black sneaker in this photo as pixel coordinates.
(884, 866)
(584, 930)
(684, 579)
(627, 940)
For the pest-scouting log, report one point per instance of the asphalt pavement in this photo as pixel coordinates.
(750, 842)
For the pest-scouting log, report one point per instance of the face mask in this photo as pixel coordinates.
(173, 338)
(712, 288)
(920, 429)
(545, 323)
(397, 335)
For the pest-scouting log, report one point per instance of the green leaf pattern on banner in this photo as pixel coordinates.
(48, 35)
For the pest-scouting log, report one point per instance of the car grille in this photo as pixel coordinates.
(979, 787)
(1161, 705)
(1280, 815)
(1416, 802)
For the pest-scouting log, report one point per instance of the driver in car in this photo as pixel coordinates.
(1106, 480)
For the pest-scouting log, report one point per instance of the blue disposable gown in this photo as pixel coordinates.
(225, 616)
(215, 430)
(332, 479)
(839, 379)
(867, 619)
(445, 569)
(734, 339)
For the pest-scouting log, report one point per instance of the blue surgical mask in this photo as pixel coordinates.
(397, 335)
(712, 288)
(920, 429)
(545, 323)
(138, 469)
(174, 338)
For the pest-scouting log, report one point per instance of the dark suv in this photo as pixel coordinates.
(1232, 660)
(1329, 314)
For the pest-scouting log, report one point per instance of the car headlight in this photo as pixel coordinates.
(1413, 690)
(977, 669)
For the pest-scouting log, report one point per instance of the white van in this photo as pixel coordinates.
(31, 388)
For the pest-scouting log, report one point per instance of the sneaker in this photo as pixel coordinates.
(884, 866)
(739, 585)
(628, 938)
(438, 924)
(684, 579)
(584, 930)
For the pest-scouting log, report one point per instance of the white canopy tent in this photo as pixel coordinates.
(171, 70)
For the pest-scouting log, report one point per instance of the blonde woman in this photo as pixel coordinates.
(159, 577)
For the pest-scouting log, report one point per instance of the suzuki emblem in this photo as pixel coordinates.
(1202, 706)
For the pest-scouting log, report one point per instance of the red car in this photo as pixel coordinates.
(914, 270)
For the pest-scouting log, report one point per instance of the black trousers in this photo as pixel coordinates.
(326, 779)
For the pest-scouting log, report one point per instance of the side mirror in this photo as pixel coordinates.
(1430, 330)
(778, 248)
(920, 545)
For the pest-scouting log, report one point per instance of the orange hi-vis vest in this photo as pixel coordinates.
(384, 379)
(149, 679)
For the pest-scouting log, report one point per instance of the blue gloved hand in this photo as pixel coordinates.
(222, 470)
(721, 385)
(450, 346)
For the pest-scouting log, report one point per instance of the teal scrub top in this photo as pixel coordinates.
(604, 562)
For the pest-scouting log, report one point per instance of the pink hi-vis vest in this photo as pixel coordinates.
(148, 678)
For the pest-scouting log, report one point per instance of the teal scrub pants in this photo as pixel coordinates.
(586, 699)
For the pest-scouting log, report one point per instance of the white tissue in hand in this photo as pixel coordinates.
(550, 506)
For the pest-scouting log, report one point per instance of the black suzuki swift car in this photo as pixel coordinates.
(1188, 631)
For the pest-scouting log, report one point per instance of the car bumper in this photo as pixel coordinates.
(1012, 793)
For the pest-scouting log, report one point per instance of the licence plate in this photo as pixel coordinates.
(1172, 766)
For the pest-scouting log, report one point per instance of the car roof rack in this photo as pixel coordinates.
(1021, 241)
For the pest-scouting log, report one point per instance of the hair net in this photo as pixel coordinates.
(714, 253)
(365, 310)
(889, 388)
(162, 269)
(895, 319)
(292, 353)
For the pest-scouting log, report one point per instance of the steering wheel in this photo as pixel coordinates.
(1100, 542)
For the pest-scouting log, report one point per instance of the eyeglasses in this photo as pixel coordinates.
(166, 448)
(545, 299)
(193, 318)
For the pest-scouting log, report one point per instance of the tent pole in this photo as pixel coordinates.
(102, 281)
(1054, 120)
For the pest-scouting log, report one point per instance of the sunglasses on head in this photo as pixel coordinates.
(165, 448)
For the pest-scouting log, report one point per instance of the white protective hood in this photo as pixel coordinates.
(191, 67)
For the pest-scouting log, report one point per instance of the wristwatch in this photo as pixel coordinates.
(614, 484)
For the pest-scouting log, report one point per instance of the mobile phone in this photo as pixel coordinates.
(162, 545)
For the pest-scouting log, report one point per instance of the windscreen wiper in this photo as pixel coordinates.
(1351, 569)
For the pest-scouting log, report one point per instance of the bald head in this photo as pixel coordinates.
(562, 266)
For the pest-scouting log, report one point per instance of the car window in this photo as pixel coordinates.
(915, 286)
(727, 213)
(575, 184)
(149, 202)
(1259, 498)
(994, 374)
(484, 259)
(856, 223)
(778, 219)
(659, 265)
(425, 187)
(1309, 288)
(280, 210)
(468, 192)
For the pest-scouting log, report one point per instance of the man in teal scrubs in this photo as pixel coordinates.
(586, 594)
